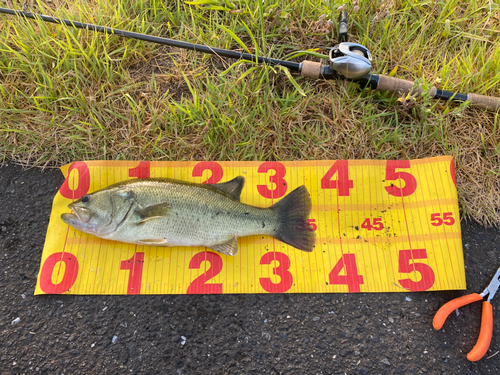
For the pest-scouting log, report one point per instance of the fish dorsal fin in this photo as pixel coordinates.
(153, 211)
(230, 247)
(232, 187)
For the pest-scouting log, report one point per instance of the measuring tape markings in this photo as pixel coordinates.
(316, 261)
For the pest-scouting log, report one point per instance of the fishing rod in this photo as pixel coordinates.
(348, 61)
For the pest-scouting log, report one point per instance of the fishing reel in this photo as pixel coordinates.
(351, 60)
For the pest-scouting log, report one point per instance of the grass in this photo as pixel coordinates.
(68, 94)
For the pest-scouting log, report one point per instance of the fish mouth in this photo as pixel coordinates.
(80, 216)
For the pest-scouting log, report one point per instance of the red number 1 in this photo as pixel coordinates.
(134, 265)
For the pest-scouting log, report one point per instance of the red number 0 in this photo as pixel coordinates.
(69, 277)
(199, 286)
(277, 179)
(392, 175)
(83, 181)
(134, 265)
(141, 171)
(427, 279)
(286, 277)
(343, 184)
(213, 167)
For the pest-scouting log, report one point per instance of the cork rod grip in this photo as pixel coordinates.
(400, 86)
(487, 102)
(310, 69)
(403, 87)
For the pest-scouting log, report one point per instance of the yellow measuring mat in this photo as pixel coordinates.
(381, 226)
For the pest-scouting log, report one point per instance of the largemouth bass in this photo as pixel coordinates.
(167, 212)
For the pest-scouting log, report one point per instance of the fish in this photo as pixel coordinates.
(168, 212)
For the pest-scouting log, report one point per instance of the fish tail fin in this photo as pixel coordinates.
(293, 212)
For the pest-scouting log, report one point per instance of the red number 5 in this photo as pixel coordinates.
(427, 274)
(392, 175)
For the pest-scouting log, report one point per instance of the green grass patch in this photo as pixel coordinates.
(69, 94)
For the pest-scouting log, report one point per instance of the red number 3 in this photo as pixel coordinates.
(277, 179)
(286, 281)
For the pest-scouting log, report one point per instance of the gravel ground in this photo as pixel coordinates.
(384, 333)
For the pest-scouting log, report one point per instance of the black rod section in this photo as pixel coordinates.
(293, 66)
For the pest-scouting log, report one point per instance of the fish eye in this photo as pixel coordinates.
(85, 198)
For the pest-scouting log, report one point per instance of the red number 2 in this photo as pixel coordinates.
(286, 277)
(391, 175)
(351, 278)
(199, 285)
(343, 184)
(277, 179)
(134, 265)
(141, 171)
(426, 272)
(215, 168)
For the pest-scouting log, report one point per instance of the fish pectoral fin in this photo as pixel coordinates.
(232, 187)
(229, 247)
(153, 242)
(154, 211)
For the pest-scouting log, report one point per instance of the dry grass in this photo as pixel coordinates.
(69, 94)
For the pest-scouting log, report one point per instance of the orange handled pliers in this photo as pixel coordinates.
(483, 343)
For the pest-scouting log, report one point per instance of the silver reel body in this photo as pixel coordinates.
(352, 60)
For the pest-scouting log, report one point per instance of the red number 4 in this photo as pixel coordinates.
(343, 184)
(351, 278)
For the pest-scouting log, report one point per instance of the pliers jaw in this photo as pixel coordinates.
(493, 286)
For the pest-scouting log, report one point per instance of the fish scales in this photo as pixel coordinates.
(167, 212)
(198, 216)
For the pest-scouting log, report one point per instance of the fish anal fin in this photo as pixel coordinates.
(232, 187)
(154, 211)
(230, 247)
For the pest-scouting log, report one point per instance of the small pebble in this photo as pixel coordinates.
(15, 321)
(113, 340)
(408, 299)
(183, 340)
(385, 361)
